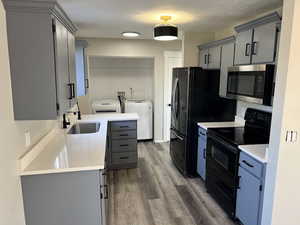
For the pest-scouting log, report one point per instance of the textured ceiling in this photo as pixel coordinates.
(108, 18)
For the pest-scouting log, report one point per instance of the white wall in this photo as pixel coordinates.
(12, 140)
(136, 48)
(190, 43)
(281, 203)
(108, 75)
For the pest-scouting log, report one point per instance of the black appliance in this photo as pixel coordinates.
(222, 155)
(251, 83)
(195, 98)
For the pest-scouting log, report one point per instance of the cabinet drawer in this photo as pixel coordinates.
(123, 125)
(251, 165)
(126, 134)
(125, 145)
(124, 158)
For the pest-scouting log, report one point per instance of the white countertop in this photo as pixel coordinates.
(59, 152)
(206, 125)
(259, 152)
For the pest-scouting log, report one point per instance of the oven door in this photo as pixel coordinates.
(221, 172)
(251, 83)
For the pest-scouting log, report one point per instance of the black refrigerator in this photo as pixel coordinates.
(195, 98)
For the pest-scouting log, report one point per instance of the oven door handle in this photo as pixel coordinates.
(222, 142)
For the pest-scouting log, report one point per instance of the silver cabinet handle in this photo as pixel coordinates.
(254, 48)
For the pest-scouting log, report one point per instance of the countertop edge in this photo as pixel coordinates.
(244, 149)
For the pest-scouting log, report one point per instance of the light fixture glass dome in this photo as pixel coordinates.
(165, 31)
(131, 34)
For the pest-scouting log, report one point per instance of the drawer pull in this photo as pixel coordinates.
(125, 157)
(123, 135)
(125, 145)
(248, 164)
(124, 126)
(203, 134)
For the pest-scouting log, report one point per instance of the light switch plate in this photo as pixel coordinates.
(27, 138)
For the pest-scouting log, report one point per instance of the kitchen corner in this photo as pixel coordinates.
(61, 152)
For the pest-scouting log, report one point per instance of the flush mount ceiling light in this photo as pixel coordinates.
(165, 31)
(130, 34)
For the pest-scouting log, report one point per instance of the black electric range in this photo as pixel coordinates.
(222, 155)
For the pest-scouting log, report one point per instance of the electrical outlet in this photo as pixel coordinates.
(27, 138)
(291, 136)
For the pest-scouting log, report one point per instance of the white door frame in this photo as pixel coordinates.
(167, 90)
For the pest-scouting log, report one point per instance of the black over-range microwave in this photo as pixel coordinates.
(251, 83)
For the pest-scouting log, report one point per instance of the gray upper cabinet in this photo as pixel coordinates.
(264, 43)
(210, 56)
(64, 93)
(256, 41)
(214, 57)
(81, 68)
(72, 69)
(227, 58)
(37, 34)
(218, 55)
(203, 53)
(243, 47)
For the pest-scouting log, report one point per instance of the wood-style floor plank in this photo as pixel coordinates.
(157, 194)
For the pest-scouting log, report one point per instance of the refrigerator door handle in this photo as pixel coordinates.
(180, 138)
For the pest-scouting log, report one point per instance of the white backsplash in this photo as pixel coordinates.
(242, 107)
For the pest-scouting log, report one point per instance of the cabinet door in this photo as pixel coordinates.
(264, 43)
(72, 74)
(227, 57)
(104, 197)
(201, 161)
(214, 57)
(203, 58)
(243, 48)
(248, 198)
(62, 67)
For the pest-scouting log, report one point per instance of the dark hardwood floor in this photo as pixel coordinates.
(157, 194)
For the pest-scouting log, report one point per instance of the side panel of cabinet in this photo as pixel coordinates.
(62, 198)
(243, 48)
(227, 57)
(62, 67)
(214, 57)
(72, 69)
(203, 55)
(264, 43)
(248, 198)
(201, 162)
(31, 54)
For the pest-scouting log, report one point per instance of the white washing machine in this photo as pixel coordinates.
(106, 105)
(145, 123)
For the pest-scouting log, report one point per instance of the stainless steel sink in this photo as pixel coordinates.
(84, 128)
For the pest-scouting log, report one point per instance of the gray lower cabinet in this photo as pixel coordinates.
(40, 43)
(72, 198)
(201, 160)
(250, 190)
(122, 151)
